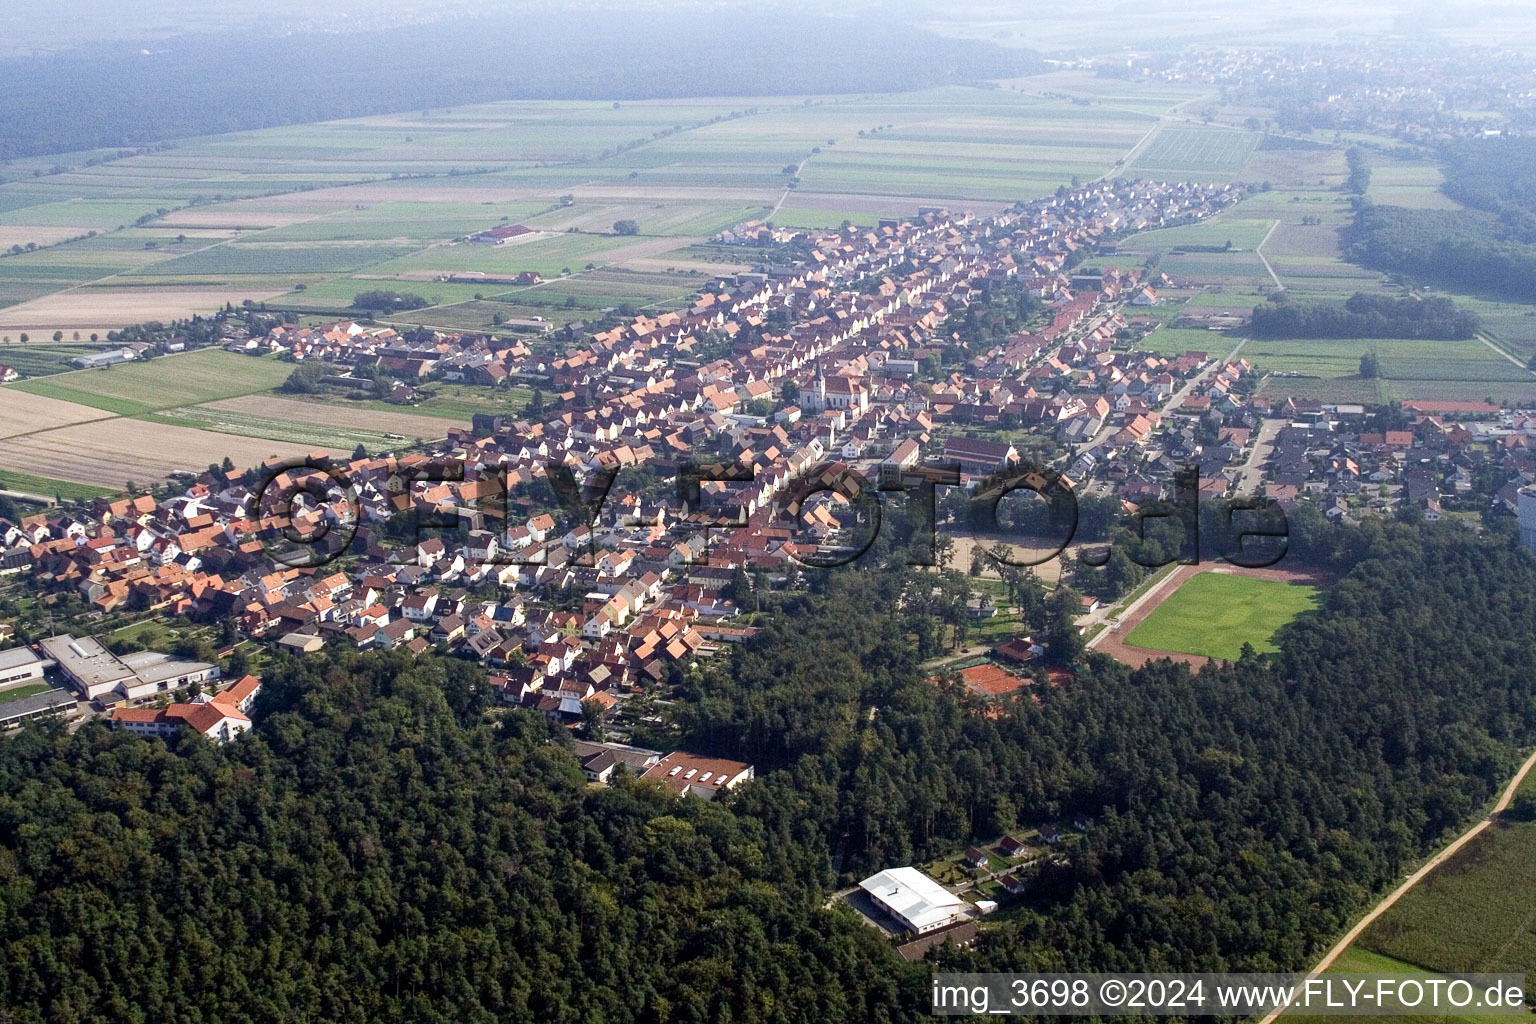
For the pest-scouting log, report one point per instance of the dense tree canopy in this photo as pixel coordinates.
(1488, 248)
(379, 849)
(1365, 316)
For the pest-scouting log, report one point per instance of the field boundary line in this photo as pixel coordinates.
(1418, 876)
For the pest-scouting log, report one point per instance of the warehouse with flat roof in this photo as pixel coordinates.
(101, 675)
(914, 899)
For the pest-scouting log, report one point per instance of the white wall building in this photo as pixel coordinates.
(914, 899)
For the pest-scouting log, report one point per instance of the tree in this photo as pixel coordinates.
(1063, 640)
(305, 378)
(626, 227)
(1370, 367)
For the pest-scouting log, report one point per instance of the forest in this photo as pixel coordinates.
(381, 848)
(122, 95)
(1364, 316)
(1487, 249)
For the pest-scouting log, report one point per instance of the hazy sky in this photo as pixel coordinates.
(29, 26)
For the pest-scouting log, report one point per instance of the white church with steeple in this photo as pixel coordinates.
(835, 392)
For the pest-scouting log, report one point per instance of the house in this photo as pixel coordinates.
(219, 722)
(220, 717)
(1011, 846)
(1013, 884)
(598, 760)
(978, 456)
(689, 774)
(976, 858)
(1049, 834)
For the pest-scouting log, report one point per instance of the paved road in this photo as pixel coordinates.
(1129, 610)
(1419, 875)
(1252, 472)
(41, 499)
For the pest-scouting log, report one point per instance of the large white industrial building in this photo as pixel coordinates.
(915, 900)
(1526, 507)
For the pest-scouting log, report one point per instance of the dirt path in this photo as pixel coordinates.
(798, 168)
(1419, 875)
(1258, 251)
(1484, 339)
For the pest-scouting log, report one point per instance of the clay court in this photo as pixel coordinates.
(1113, 640)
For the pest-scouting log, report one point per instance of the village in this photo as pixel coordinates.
(826, 377)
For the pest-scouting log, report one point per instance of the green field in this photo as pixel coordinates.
(1198, 152)
(40, 360)
(1329, 370)
(311, 435)
(49, 488)
(1474, 913)
(138, 387)
(1214, 614)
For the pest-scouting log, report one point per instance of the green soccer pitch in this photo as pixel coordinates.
(1214, 614)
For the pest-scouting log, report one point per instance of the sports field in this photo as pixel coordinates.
(1214, 613)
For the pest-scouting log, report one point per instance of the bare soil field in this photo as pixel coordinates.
(112, 451)
(21, 234)
(408, 424)
(664, 264)
(103, 309)
(677, 193)
(1049, 571)
(864, 203)
(1113, 642)
(22, 413)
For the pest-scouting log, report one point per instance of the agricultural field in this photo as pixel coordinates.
(1414, 185)
(1474, 913)
(344, 205)
(104, 308)
(47, 487)
(1175, 341)
(1199, 153)
(108, 453)
(274, 258)
(196, 377)
(359, 418)
(1243, 234)
(22, 412)
(1328, 370)
(1213, 614)
(42, 360)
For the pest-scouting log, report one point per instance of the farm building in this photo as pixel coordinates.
(95, 360)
